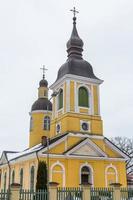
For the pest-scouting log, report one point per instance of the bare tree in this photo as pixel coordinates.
(126, 145)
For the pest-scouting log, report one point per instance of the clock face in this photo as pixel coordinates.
(58, 128)
(85, 126)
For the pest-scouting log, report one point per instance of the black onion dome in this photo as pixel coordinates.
(43, 83)
(77, 67)
(41, 104)
(75, 63)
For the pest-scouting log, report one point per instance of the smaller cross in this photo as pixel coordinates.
(43, 69)
(74, 11)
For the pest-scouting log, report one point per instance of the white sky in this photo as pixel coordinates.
(35, 32)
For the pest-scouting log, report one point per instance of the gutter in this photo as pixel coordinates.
(9, 171)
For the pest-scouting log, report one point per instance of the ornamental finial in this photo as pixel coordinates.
(43, 69)
(74, 14)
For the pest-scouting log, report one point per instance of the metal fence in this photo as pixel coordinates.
(126, 194)
(33, 195)
(102, 193)
(69, 194)
(4, 195)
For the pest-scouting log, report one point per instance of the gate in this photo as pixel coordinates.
(33, 195)
(101, 194)
(69, 194)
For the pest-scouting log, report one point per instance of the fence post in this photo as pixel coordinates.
(53, 190)
(15, 189)
(117, 191)
(86, 188)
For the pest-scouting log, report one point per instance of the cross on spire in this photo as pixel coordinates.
(43, 69)
(74, 11)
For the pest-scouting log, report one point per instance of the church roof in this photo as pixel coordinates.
(75, 63)
(13, 155)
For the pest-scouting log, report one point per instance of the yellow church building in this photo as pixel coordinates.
(67, 133)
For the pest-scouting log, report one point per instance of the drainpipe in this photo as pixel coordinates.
(9, 167)
(37, 156)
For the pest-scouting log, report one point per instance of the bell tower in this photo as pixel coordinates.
(40, 115)
(77, 106)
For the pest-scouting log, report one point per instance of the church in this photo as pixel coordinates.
(66, 131)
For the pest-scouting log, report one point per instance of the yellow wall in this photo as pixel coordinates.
(72, 172)
(71, 123)
(37, 131)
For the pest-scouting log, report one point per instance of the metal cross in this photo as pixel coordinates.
(74, 11)
(43, 69)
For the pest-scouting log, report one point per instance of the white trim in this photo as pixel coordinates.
(67, 95)
(106, 173)
(82, 157)
(116, 149)
(92, 100)
(99, 137)
(63, 171)
(98, 94)
(75, 98)
(92, 172)
(40, 111)
(87, 122)
(41, 155)
(77, 78)
(91, 144)
(63, 98)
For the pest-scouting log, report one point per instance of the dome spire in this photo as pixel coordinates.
(43, 82)
(43, 69)
(75, 44)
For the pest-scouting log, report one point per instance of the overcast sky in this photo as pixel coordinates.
(35, 32)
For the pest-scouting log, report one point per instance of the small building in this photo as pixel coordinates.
(72, 126)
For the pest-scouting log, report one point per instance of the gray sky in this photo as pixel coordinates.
(35, 32)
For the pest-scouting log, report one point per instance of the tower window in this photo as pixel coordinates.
(46, 123)
(83, 97)
(60, 99)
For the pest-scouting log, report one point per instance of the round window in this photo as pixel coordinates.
(58, 128)
(85, 126)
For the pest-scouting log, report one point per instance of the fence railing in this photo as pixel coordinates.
(102, 193)
(126, 194)
(85, 192)
(69, 194)
(33, 195)
(4, 195)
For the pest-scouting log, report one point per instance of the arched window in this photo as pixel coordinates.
(13, 176)
(83, 97)
(46, 123)
(21, 178)
(31, 124)
(85, 175)
(58, 174)
(32, 177)
(5, 181)
(60, 99)
(111, 175)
